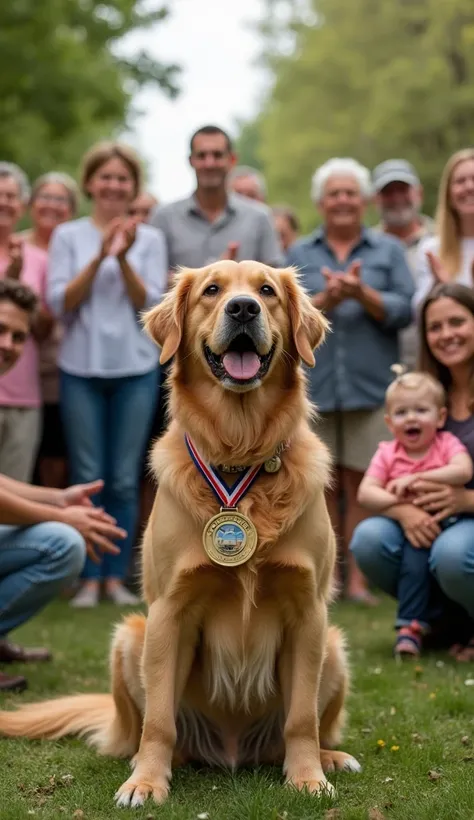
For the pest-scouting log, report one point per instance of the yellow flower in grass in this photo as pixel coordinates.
(394, 748)
(380, 743)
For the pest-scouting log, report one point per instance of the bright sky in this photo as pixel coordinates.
(217, 49)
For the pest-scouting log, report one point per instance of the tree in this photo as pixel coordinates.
(373, 79)
(248, 143)
(63, 80)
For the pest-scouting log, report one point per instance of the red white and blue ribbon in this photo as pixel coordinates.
(228, 496)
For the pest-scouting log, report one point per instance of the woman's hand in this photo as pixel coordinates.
(436, 267)
(15, 257)
(110, 237)
(420, 527)
(441, 500)
(125, 238)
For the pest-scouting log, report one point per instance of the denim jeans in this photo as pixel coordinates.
(106, 425)
(35, 562)
(378, 546)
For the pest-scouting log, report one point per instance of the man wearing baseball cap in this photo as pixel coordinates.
(398, 198)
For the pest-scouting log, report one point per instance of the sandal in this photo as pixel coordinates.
(463, 654)
(409, 641)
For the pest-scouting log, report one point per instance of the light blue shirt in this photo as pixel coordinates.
(104, 337)
(353, 365)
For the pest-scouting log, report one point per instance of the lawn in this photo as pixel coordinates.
(411, 727)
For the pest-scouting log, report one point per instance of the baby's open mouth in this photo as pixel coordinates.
(412, 432)
(241, 362)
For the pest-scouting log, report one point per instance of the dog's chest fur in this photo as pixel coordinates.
(241, 641)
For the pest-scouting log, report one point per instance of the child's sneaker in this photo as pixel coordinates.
(409, 641)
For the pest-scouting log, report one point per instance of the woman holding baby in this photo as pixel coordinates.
(433, 514)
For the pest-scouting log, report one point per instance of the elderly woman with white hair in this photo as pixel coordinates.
(359, 278)
(20, 392)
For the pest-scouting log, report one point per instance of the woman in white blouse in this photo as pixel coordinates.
(449, 255)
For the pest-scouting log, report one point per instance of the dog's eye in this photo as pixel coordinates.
(211, 290)
(267, 290)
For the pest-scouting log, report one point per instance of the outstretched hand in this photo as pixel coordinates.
(437, 268)
(80, 494)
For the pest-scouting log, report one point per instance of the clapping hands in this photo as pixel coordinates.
(119, 237)
(15, 256)
(342, 285)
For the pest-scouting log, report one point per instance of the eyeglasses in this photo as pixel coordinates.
(52, 199)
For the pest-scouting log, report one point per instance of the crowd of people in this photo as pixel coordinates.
(82, 394)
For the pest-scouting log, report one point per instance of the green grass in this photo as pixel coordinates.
(427, 713)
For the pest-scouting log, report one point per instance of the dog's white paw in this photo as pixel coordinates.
(318, 786)
(333, 761)
(135, 791)
(352, 765)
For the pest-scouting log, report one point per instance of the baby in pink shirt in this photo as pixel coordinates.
(416, 412)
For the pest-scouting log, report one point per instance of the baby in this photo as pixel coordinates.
(415, 405)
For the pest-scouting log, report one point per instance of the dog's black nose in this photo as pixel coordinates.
(242, 308)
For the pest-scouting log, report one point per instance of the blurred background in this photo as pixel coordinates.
(294, 81)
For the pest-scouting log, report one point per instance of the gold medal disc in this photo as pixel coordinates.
(229, 538)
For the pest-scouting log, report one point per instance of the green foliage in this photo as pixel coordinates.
(373, 79)
(248, 144)
(64, 79)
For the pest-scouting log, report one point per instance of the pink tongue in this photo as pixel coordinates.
(241, 365)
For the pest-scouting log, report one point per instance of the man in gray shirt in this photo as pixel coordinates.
(213, 223)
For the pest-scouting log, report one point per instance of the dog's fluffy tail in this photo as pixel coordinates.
(83, 715)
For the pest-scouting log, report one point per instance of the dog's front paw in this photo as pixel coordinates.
(136, 790)
(332, 761)
(315, 783)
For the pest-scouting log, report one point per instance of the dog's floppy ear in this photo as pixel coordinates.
(308, 325)
(164, 323)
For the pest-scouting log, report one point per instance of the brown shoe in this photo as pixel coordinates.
(12, 653)
(12, 683)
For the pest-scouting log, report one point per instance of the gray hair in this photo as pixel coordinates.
(247, 171)
(58, 178)
(9, 169)
(340, 167)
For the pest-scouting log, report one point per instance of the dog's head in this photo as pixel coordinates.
(238, 320)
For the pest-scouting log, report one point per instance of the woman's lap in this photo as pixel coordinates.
(377, 545)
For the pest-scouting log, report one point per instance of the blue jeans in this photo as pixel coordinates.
(378, 545)
(35, 562)
(106, 425)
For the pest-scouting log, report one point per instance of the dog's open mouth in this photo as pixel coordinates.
(241, 362)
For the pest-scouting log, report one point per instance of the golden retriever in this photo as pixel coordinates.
(233, 664)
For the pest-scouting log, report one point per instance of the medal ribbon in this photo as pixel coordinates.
(228, 496)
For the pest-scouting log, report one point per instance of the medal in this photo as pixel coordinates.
(229, 538)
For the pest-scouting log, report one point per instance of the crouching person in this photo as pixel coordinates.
(45, 534)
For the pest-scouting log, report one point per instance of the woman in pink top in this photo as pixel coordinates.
(416, 412)
(20, 394)
(54, 200)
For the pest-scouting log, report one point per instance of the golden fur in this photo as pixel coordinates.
(232, 665)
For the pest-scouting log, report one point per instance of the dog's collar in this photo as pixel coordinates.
(271, 465)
